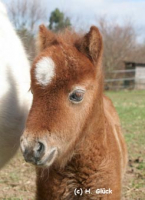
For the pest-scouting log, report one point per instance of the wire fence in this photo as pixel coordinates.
(125, 79)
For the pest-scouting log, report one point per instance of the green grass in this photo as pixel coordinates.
(12, 199)
(130, 106)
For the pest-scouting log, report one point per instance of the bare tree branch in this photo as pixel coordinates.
(26, 14)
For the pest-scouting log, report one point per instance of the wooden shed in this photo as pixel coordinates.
(136, 74)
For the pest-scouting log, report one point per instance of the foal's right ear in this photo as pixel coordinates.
(91, 44)
(45, 38)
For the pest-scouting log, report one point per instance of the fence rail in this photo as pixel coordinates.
(123, 71)
(123, 79)
(130, 78)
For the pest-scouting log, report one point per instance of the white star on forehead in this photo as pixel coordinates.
(45, 71)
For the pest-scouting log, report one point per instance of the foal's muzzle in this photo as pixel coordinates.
(34, 154)
(37, 153)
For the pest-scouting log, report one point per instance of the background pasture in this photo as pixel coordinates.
(122, 26)
(17, 180)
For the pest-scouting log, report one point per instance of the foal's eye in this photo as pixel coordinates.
(77, 96)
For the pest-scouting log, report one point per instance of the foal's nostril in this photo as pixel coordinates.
(39, 149)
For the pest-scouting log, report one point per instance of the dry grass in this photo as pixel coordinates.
(17, 180)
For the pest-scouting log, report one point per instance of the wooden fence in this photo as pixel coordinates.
(125, 79)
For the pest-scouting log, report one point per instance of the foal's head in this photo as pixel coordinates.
(66, 82)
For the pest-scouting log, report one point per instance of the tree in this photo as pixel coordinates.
(26, 14)
(58, 21)
(28, 40)
(119, 43)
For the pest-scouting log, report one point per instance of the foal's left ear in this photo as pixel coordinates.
(91, 44)
(45, 38)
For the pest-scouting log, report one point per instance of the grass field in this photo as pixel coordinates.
(17, 180)
(131, 109)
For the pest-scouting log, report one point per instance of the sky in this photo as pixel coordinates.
(85, 13)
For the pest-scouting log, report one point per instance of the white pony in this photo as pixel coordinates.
(15, 98)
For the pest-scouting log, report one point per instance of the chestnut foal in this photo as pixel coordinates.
(73, 132)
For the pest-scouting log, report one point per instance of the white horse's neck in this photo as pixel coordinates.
(15, 98)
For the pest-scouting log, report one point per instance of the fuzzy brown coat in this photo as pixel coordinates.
(92, 149)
